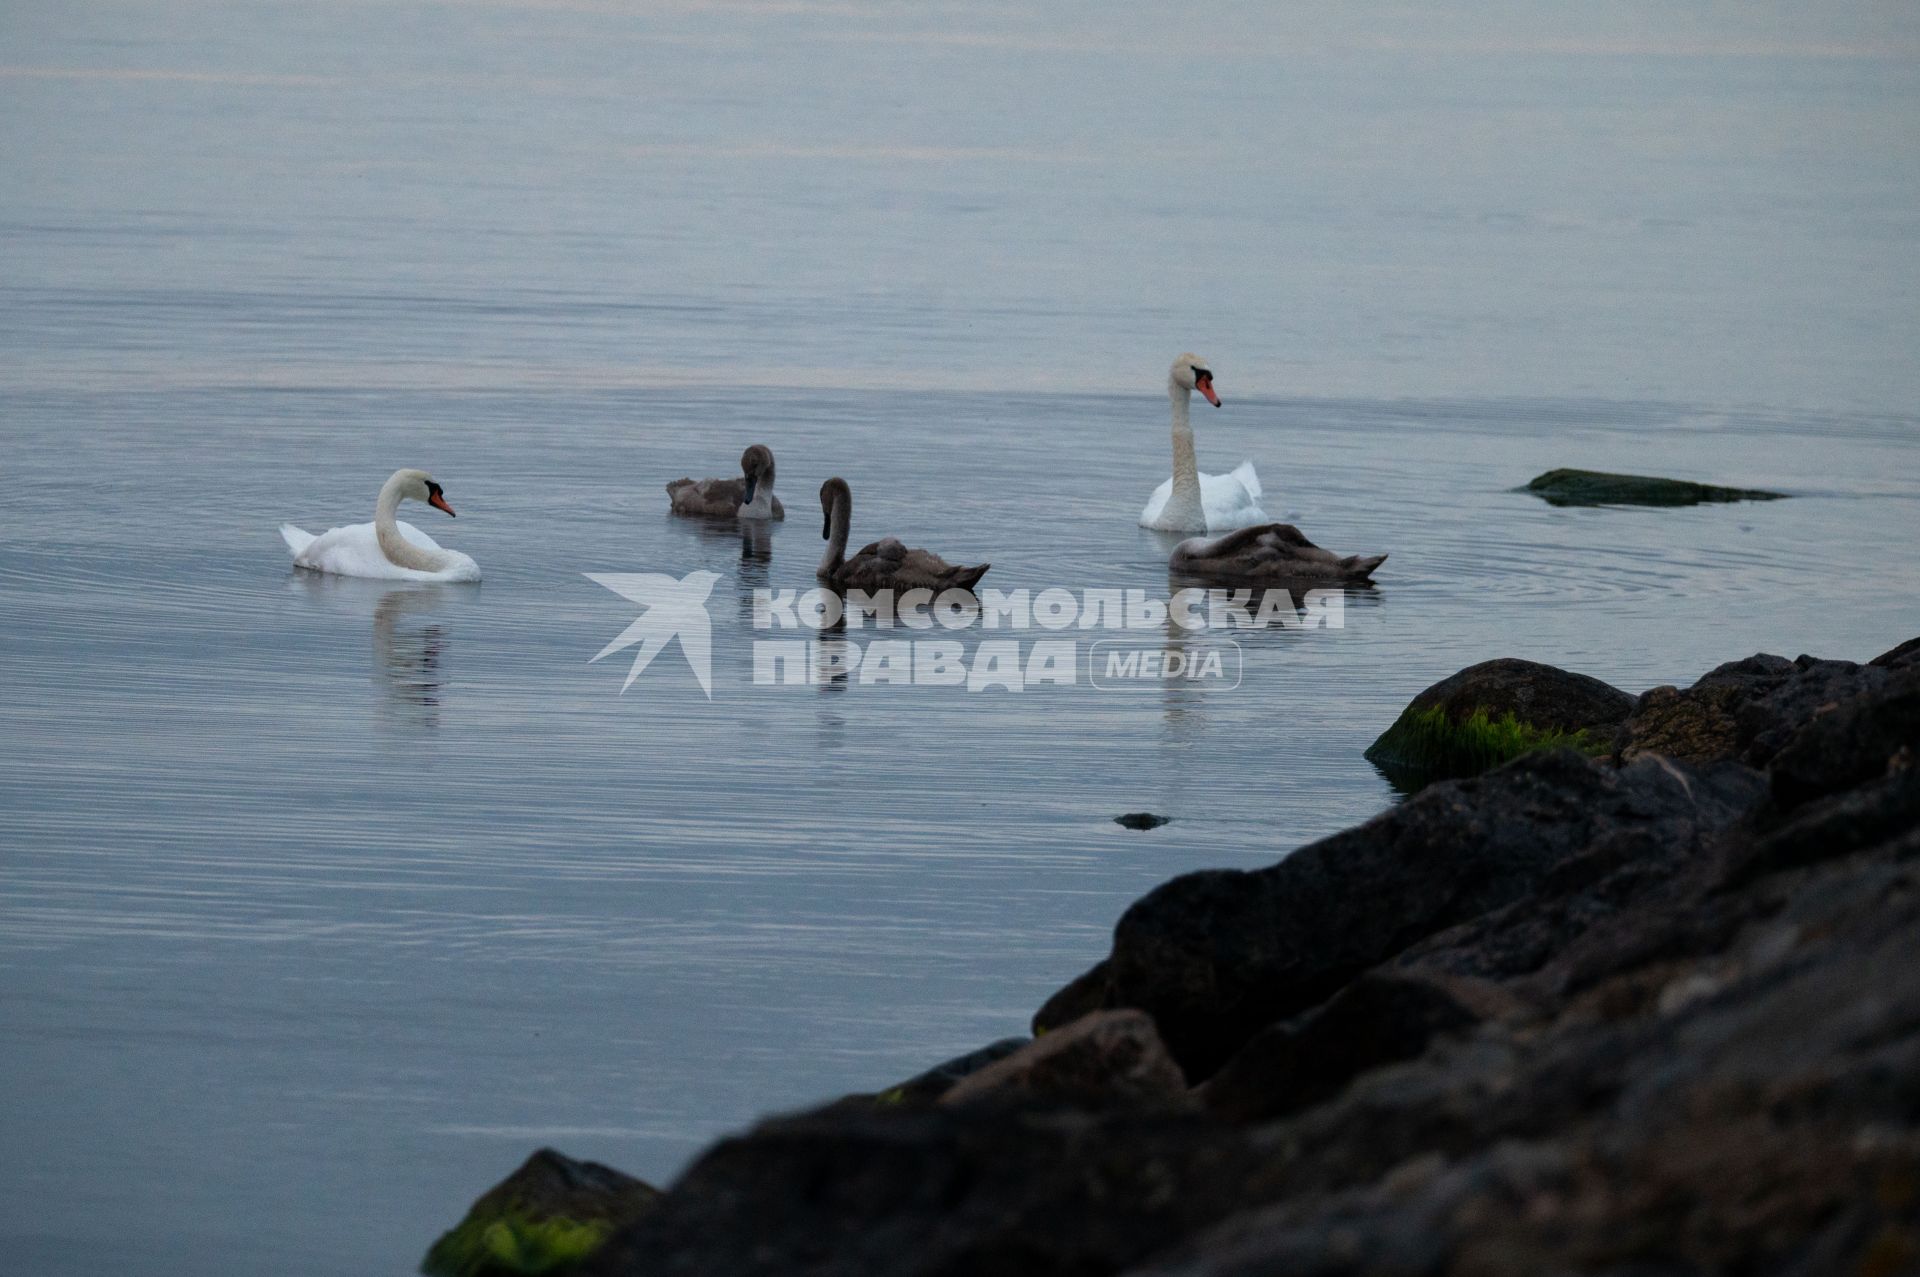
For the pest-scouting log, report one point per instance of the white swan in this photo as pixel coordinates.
(1191, 501)
(385, 549)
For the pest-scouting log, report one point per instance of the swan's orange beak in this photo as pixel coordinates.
(439, 503)
(1205, 387)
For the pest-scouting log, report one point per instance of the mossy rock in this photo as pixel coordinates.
(544, 1220)
(1497, 710)
(1594, 487)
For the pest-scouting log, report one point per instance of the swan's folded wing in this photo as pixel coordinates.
(297, 539)
(1244, 472)
(1156, 503)
(891, 548)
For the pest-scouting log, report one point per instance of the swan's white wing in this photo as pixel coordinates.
(1248, 479)
(1229, 501)
(1232, 500)
(297, 539)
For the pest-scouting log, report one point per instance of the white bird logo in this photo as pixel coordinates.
(673, 608)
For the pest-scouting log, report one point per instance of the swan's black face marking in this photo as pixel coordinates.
(437, 499)
(1203, 374)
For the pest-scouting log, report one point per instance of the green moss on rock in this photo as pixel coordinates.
(1488, 713)
(1595, 487)
(1428, 743)
(514, 1244)
(544, 1220)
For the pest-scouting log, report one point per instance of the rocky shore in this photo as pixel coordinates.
(1648, 1004)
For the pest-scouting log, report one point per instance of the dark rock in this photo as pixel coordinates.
(1086, 993)
(1594, 487)
(1604, 908)
(941, 1192)
(1744, 710)
(1495, 711)
(1142, 820)
(1756, 1113)
(1216, 956)
(1107, 1058)
(545, 1218)
(1908, 653)
(925, 1088)
(1381, 1018)
(1852, 742)
(1837, 825)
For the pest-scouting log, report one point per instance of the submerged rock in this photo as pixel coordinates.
(1595, 487)
(1142, 820)
(543, 1220)
(1495, 711)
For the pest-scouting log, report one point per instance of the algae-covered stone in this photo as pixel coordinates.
(1595, 487)
(1494, 711)
(541, 1221)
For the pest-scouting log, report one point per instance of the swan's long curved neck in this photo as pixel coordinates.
(1186, 470)
(761, 507)
(386, 530)
(838, 522)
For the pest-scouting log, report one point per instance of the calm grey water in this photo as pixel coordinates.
(323, 902)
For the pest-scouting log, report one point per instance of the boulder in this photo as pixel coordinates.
(1851, 742)
(1381, 1018)
(1907, 653)
(1107, 1058)
(1752, 1111)
(1495, 711)
(1090, 991)
(941, 1192)
(1743, 710)
(1218, 955)
(1595, 487)
(1835, 825)
(544, 1219)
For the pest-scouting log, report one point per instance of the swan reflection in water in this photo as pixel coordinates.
(1262, 617)
(409, 657)
(754, 537)
(951, 614)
